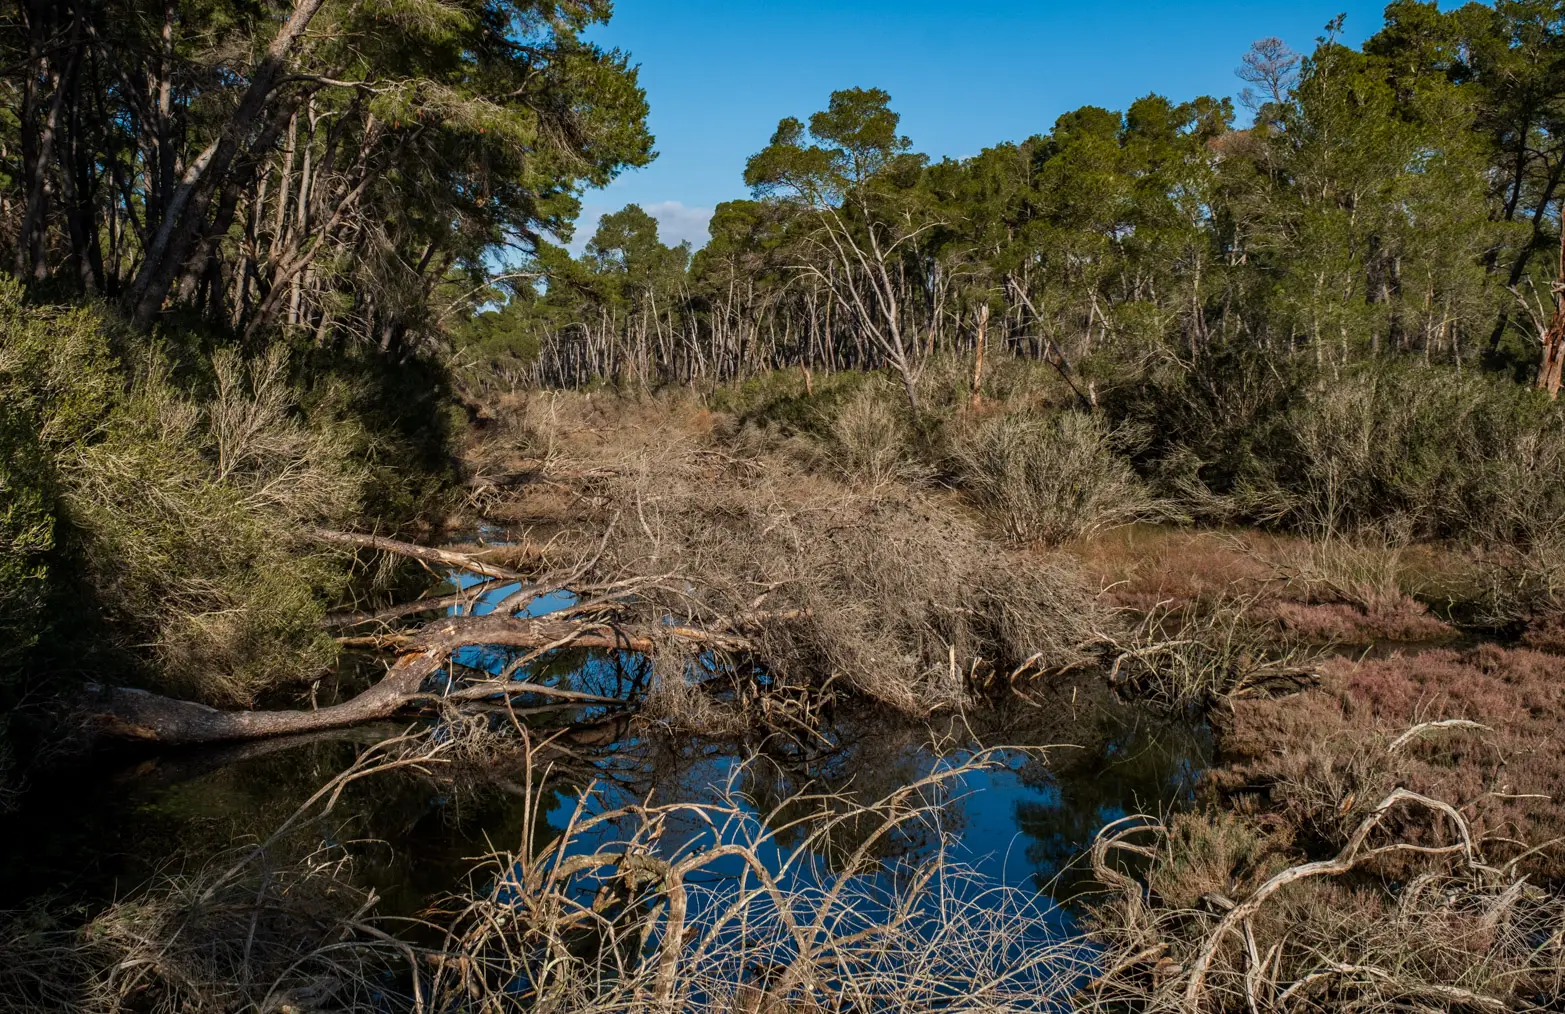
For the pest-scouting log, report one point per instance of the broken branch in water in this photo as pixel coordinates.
(137, 714)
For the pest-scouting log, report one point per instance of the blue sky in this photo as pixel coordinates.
(719, 75)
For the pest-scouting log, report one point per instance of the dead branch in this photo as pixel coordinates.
(1423, 727)
(1352, 855)
(425, 554)
(125, 713)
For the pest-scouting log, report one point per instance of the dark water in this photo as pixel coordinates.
(1073, 762)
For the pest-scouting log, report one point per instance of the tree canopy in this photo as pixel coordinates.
(328, 164)
(1387, 200)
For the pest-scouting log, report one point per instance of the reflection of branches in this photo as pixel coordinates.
(623, 910)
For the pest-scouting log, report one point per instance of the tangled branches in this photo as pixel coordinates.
(1407, 915)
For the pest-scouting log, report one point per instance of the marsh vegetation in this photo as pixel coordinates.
(1123, 570)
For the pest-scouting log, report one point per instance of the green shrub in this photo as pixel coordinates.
(26, 535)
(187, 512)
(1410, 450)
(175, 480)
(1429, 452)
(869, 438)
(1049, 479)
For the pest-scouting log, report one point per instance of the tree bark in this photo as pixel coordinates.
(978, 355)
(123, 713)
(185, 216)
(443, 557)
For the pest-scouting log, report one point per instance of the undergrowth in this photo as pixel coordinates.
(156, 489)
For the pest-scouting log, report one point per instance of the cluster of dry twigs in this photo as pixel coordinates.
(1408, 915)
(1205, 652)
(821, 902)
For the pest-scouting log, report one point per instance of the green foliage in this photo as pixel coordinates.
(56, 383)
(186, 512)
(1049, 479)
(26, 536)
(1410, 450)
(361, 160)
(1392, 200)
(56, 367)
(157, 490)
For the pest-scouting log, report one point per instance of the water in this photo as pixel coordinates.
(1070, 765)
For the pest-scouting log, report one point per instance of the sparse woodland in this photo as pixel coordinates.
(1242, 416)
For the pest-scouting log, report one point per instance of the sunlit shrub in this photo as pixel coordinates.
(1050, 479)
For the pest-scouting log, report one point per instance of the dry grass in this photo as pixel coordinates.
(1206, 653)
(273, 927)
(1320, 757)
(1324, 590)
(1235, 918)
(715, 907)
(817, 903)
(886, 591)
(1396, 835)
(870, 441)
(896, 597)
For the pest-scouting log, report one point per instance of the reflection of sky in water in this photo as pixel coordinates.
(1022, 824)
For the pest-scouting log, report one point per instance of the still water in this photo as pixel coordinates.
(1073, 761)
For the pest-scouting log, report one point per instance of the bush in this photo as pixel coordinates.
(26, 535)
(870, 440)
(175, 481)
(187, 514)
(1430, 451)
(1412, 451)
(1050, 480)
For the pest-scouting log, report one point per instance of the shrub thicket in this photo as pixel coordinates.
(158, 488)
(1049, 479)
(1411, 450)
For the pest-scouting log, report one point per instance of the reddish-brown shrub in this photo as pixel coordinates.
(1324, 757)
(1546, 633)
(1342, 623)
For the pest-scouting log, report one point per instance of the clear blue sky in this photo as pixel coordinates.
(719, 74)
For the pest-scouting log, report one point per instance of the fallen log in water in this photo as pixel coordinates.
(125, 713)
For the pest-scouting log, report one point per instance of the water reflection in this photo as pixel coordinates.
(1073, 762)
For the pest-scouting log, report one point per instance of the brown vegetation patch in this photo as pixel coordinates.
(1325, 756)
(1318, 591)
(1142, 565)
(863, 583)
(1546, 633)
(1343, 623)
(1237, 919)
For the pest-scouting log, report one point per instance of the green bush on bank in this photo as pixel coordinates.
(157, 487)
(26, 534)
(187, 512)
(1411, 450)
(1051, 478)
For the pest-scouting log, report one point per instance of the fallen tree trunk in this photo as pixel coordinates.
(124, 713)
(443, 557)
(466, 598)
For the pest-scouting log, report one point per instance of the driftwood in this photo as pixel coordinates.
(124, 713)
(440, 557)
